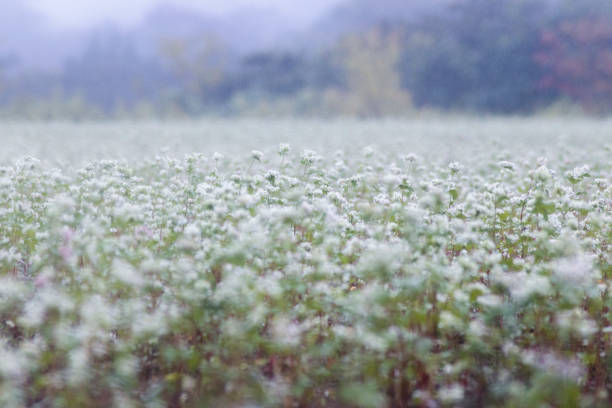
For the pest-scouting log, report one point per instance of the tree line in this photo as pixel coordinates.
(500, 57)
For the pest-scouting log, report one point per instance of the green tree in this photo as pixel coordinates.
(477, 56)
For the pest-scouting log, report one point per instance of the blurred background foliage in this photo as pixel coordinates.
(363, 58)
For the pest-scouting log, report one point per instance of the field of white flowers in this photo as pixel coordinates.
(306, 264)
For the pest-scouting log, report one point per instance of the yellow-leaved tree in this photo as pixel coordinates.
(372, 79)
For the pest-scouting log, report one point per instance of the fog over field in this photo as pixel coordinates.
(64, 14)
(352, 58)
(438, 139)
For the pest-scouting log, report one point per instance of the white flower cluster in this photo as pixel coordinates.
(293, 277)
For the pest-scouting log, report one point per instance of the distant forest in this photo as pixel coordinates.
(365, 58)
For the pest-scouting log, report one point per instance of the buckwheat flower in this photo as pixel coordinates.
(576, 271)
(283, 149)
(477, 328)
(5, 182)
(65, 250)
(410, 158)
(523, 285)
(286, 332)
(192, 231)
(181, 220)
(455, 167)
(507, 165)
(555, 366)
(382, 199)
(155, 324)
(460, 296)
(451, 393)
(392, 180)
(233, 327)
(542, 173)
(371, 340)
(11, 364)
(490, 300)
(578, 173)
(126, 366)
(78, 367)
(45, 277)
(11, 289)
(270, 285)
(256, 155)
(278, 389)
(9, 256)
(127, 212)
(126, 273)
(576, 320)
(143, 231)
(33, 314)
(450, 321)
(47, 299)
(454, 273)
(602, 183)
(62, 204)
(309, 157)
(96, 312)
(368, 151)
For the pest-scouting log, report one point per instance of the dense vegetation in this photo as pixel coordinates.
(425, 270)
(503, 56)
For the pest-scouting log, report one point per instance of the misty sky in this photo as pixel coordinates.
(83, 13)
